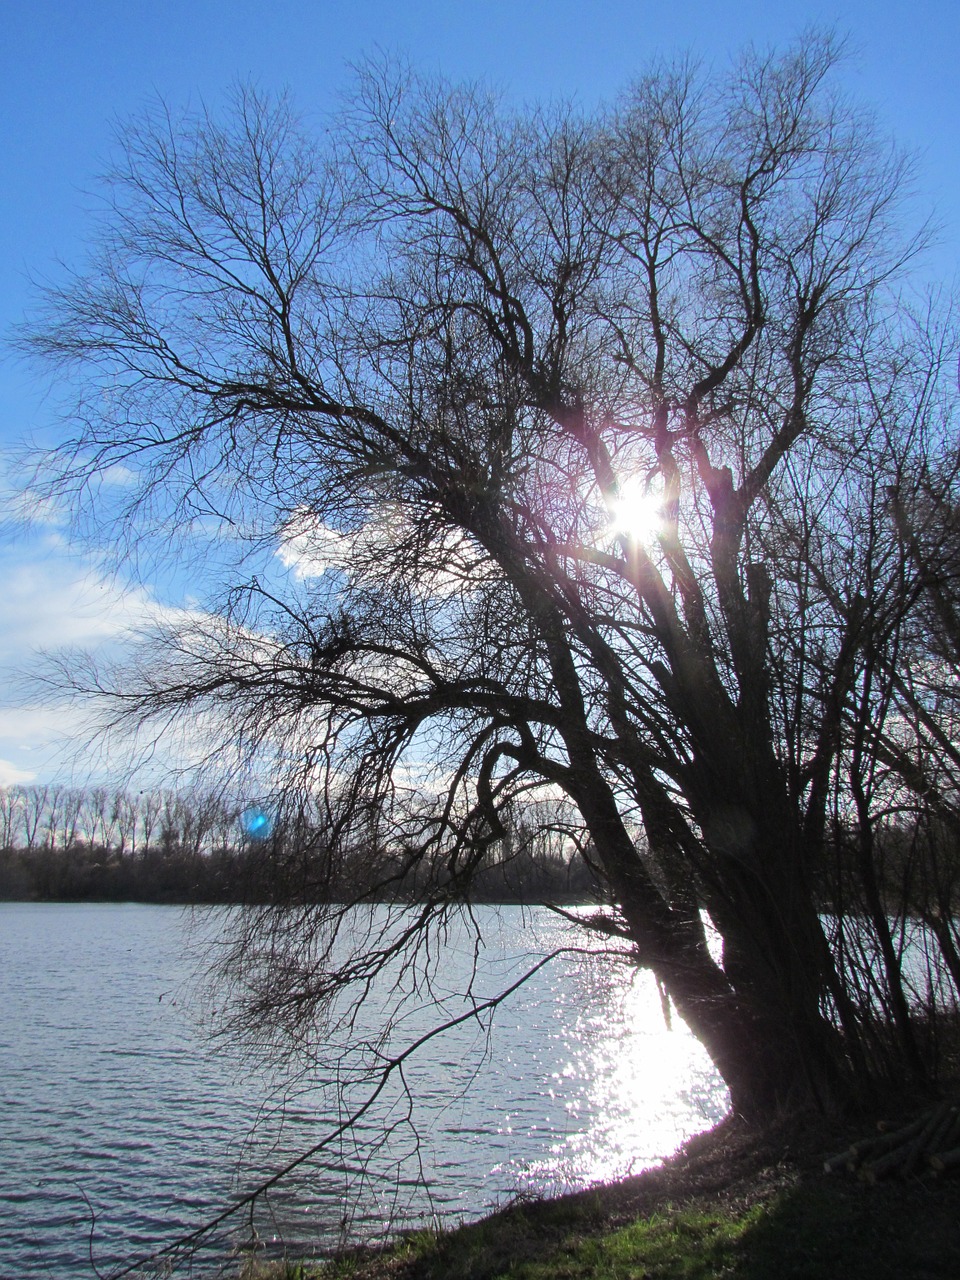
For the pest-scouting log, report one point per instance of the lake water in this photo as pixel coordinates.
(123, 1124)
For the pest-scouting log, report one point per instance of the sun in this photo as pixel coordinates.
(637, 514)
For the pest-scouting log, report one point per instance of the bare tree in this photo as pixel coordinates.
(32, 807)
(148, 813)
(124, 819)
(10, 804)
(569, 432)
(100, 813)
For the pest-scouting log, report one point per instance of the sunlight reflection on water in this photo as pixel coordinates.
(650, 1087)
(633, 1089)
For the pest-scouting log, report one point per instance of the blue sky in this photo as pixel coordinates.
(71, 69)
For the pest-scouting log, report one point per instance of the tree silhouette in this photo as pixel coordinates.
(569, 431)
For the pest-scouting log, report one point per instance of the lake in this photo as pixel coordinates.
(123, 1123)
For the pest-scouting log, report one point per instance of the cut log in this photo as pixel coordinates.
(929, 1144)
(866, 1148)
(951, 1138)
(920, 1145)
(945, 1160)
(940, 1139)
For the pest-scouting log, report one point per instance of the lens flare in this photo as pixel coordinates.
(256, 823)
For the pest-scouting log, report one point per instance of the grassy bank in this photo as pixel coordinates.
(732, 1203)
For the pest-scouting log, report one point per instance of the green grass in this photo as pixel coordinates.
(683, 1244)
(808, 1235)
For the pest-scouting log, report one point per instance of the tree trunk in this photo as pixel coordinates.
(769, 1063)
(759, 1016)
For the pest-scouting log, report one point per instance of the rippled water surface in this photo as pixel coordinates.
(122, 1125)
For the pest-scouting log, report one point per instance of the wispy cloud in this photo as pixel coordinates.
(52, 600)
(445, 565)
(10, 774)
(310, 548)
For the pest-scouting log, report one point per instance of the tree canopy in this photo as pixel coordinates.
(568, 472)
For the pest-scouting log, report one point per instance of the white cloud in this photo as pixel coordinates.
(310, 548)
(57, 600)
(52, 600)
(119, 476)
(44, 741)
(10, 774)
(22, 506)
(22, 503)
(450, 563)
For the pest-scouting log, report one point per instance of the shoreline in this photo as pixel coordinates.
(732, 1201)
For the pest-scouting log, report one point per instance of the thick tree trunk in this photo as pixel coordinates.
(769, 1064)
(790, 1005)
(795, 1040)
(759, 1015)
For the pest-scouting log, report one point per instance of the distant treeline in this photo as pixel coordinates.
(81, 874)
(94, 844)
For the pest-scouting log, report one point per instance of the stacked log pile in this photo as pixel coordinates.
(929, 1145)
